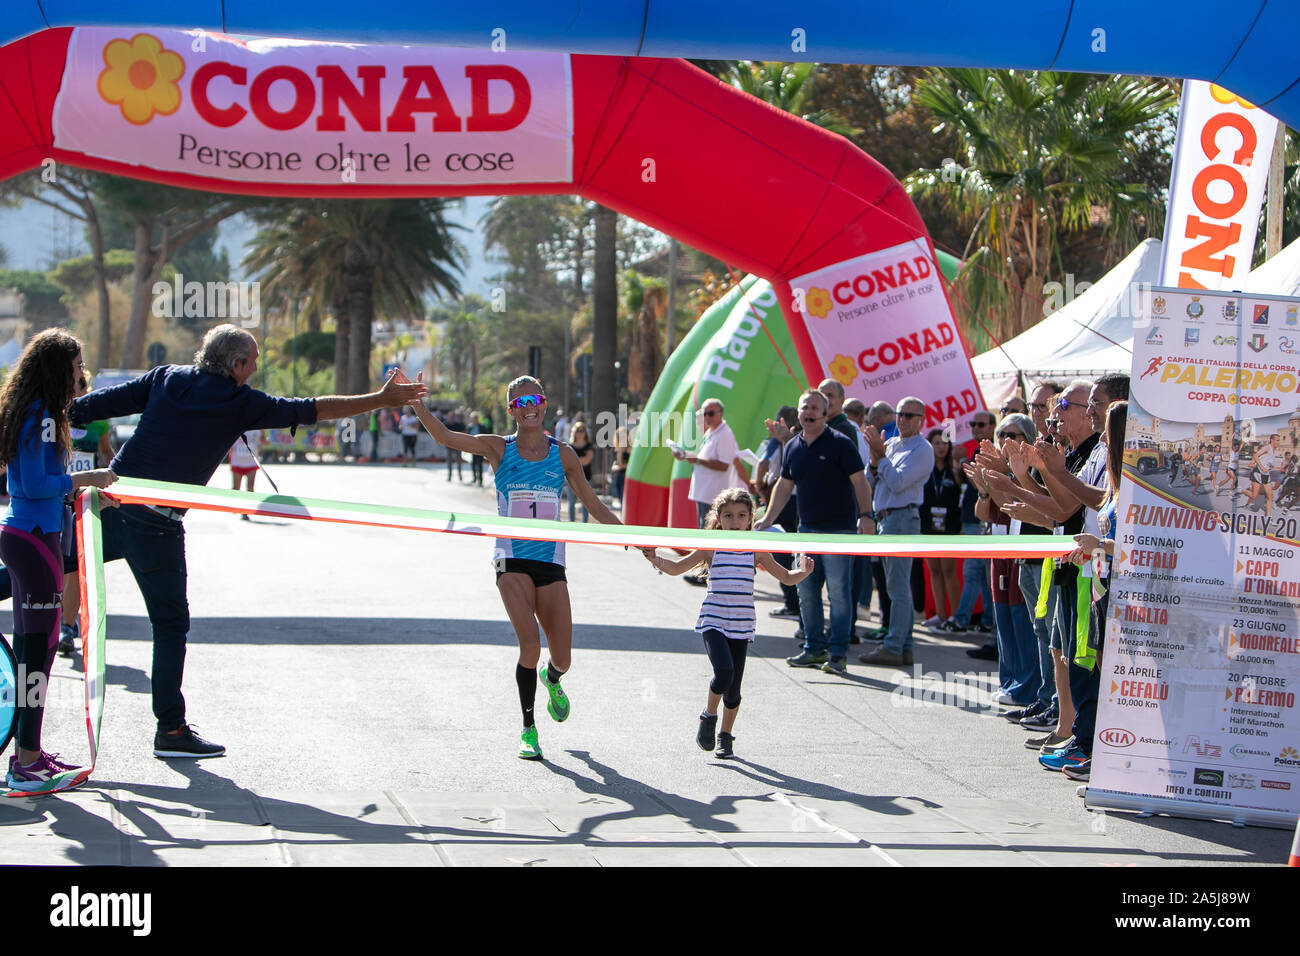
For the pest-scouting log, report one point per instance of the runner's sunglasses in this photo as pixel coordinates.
(527, 401)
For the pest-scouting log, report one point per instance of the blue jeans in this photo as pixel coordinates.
(154, 549)
(1030, 586)
(898, 581)
(1018, 652)
(1085, 685)
(836, 572)
(975, 585)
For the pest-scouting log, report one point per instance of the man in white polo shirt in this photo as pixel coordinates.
(717, 466)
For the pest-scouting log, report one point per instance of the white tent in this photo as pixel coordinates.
(1279, 275)
(1084, 338)
(1094, 333)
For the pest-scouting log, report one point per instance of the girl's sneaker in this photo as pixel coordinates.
(725, 740)
(46, 774)
(705, 736)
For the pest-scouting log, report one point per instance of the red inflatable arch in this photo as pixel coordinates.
(658, 140)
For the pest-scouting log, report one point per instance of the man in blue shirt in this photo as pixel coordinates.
(190, 416)
(824, 470)
(898, 474)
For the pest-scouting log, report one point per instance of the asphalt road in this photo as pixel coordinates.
(335, 660)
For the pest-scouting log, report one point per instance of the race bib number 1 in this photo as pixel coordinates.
(534, 504)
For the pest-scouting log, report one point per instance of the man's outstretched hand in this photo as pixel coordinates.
(400, 390)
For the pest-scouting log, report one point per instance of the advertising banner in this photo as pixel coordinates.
(318, 439)
(1217, 187)
(1201, 662)
(882, 328)
(288, 111)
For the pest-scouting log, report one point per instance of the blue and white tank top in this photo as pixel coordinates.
(529, 489)
(729, 604)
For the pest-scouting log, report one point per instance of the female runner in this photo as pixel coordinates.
(530, 468)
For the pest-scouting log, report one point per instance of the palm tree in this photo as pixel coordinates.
(361, 256)
(787, 86)
(295, 279)
(1046, 153)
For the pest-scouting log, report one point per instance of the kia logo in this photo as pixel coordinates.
(1115, 737)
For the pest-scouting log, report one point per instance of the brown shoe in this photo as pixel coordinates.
(883, 658)
(1051, 739)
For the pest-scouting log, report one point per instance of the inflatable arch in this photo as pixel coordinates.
(848, 257)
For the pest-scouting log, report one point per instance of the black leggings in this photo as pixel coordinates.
(727, 656)
(35, 564)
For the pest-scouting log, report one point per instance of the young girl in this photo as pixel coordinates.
(34, 444)
(726, 619)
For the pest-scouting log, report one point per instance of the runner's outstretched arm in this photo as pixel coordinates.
(491, 447)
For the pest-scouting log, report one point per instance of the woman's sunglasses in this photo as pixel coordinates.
(527, 401)
(1053, 423)
(1018, 436)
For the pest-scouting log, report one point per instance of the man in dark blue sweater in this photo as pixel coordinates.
(824, 470)
(190, 416)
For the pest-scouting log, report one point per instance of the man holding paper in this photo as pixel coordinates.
(717, 466)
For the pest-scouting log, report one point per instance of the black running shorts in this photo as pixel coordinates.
(542, 572)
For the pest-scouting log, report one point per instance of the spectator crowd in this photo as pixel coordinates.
(1047, 466)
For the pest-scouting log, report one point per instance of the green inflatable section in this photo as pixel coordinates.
(727, 356)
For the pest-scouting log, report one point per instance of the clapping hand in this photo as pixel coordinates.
(874, 442)
(778, 430)
(1026, 512)
(1049, 457)
(991, 458)
(1003, 484)
(1017, 458)
(975, 475)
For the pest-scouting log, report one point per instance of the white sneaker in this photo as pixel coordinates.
(1002, 697)
(932, 622)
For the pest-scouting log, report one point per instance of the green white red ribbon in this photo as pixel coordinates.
(168, 495)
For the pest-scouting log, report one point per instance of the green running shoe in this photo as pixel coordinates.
(558, 705)
(529, 749)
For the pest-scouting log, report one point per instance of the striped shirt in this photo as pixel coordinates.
(529, 489)
(729, 605)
